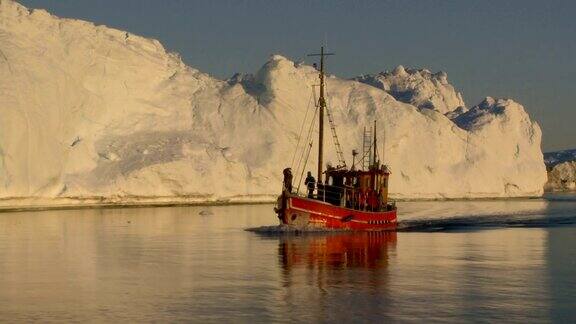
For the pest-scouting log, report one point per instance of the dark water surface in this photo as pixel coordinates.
(453, 261)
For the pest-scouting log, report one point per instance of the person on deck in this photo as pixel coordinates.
(310, 183)
(288, 179)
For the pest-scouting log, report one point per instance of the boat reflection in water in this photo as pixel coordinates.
(347, 250)
(326, 254)
(341, 276)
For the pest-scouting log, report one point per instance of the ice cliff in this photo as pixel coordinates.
(90, 111)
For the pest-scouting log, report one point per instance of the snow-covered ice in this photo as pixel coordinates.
(91, 113)
(420, 88)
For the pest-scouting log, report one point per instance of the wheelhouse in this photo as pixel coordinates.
(365, 190)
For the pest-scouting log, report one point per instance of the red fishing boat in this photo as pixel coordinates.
(354, 198)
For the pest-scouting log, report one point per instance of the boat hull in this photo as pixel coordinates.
(305, 213)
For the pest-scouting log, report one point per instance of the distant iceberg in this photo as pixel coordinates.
(553, 158)
(561, 167)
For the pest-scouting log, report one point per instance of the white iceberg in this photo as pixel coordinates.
(92, 113)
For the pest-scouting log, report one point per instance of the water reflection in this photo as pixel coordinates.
(198, 264)
(340, 276)
(337, 251)
(561, 262)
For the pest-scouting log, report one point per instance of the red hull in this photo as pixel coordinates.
(304, 212)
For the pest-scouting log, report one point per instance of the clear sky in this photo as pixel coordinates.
(519, 49)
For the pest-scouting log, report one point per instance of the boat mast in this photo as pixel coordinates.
(321, 107)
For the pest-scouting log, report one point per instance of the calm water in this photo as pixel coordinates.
(481, 261)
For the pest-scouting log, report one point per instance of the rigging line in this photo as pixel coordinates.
(307, 140)
(304, 165)
(310, 141)
(301, 129)
(335, 140)
(304, 168)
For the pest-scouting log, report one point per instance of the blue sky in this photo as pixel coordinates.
(519, 49)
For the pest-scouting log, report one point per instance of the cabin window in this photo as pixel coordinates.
(338, 181)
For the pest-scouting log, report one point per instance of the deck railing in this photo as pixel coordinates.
(349, 197)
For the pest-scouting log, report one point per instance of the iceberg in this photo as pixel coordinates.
(91, 114)
(562, 177)
(553, 158)
(561, 168)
